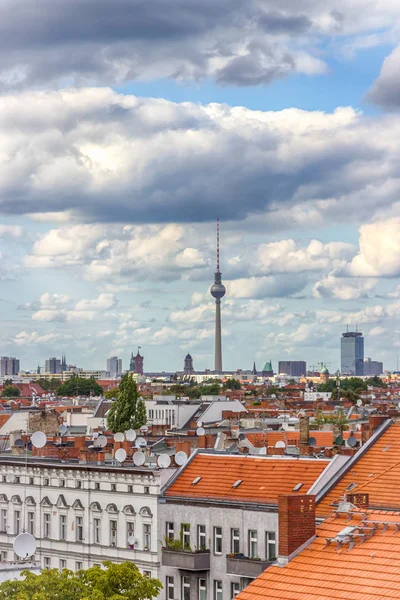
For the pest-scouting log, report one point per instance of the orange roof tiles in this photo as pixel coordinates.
(369, 571)
(377, 473)
(263, 478)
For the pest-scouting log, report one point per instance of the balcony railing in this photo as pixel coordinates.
(186, 560)
(246, 567)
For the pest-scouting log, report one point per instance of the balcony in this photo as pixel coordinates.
(246, 567)
(186, 560)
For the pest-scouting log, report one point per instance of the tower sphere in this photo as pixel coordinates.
(218, 290)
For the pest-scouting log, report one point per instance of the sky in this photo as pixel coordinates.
(128, 126)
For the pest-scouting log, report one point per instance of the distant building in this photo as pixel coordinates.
(267, 370)
(9, 366)
(293, 368)
(114, 366)
(138, 363)
(372, 367)
(63, 363)
(352, 353)
(188, 365)
(52, 365)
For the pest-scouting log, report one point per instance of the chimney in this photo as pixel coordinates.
(364, 433)
(304, 430)
(375, 421)
(296, 524)
(358, 499)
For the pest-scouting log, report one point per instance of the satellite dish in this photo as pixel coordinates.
(312, 442)
(273, 396)
(11, 478)
(130, 435)
(359, 402)
(120, 455)
(140, 442)
(352, 441)
(339, 441)
(101, 441)
(199, 423)
(280, 444)
(139, 459)
(24, 545)
(119, 437)
(242, 437)
(200, 431)
(262, 451)
(19, 443)
(163, 461)
(181, 458)
(38, 439)
(63, 429)
(144, 428)
(131, 540)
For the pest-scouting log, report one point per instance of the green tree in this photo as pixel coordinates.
(122, 414)
(376, 381)
(8, 382)
(209, 390)
(141, 416)
(48, 385)
(113, 582)
(11, 392)
(232, 384)
(109, 394)
(79, 386)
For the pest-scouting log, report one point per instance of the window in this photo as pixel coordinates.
(130, 489)
(170, 587)
(113, 532)
(47, 562)
(97, 485)
(185, 532)
(63, 564)
(235, 541)
(130, 531)
(202, 589)
(31, 481)
(270, 545)
(79, 529)
(217, 590)
(147, 574)
(47, 525)
(97, 531)
(78, 484)
(147, 536)
(146, 489)
(113, 487)
(169, 531)
(4, 478)
(201, 537)
(217, 540)
(185, 588)
(17, 521)
(78, 565)
(253, 551)
(63, 527)
(46, 481)
(18, 479)
(3, 556)
(235, 588)
(3, 519)
(62, 482)
(31, 523)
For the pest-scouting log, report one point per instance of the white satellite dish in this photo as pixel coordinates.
(359, 402)
(181, 458)
(119, 437)
(200, 431)
(263, 451)
(38, 439)
(131, 540)
(144, 428)
(101, 441)
(140, 442)
(163, 461)
(120, 455)
(11, 478)
(24, 545)
(280, 444)
(199, 423)
(139, 459)
(130, 435)
(63, 429)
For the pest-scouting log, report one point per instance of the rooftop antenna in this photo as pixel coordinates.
(217, 244)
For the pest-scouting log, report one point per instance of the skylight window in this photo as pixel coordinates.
(237, 483)
(196, 480)
(297, 487)
(350, 487)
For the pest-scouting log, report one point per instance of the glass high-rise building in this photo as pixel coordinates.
(352, 353)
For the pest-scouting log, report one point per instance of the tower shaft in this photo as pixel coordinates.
(218, 337)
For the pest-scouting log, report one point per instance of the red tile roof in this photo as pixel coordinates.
(263, 478)
(369, 571)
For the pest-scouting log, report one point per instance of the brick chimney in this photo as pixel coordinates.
(358, 499)
(375, 421)
(296, 524)
(304, 430)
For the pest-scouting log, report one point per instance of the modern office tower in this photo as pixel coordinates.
(52, 365)
(9, 365)
(188, 365)
(294, 368)
(218, 291)
(352, 354)
(372, 367)
(114, 366)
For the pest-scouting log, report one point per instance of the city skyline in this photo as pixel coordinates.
(282, 122)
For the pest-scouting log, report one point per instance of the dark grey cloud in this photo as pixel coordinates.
(103, 41)
(386, 89)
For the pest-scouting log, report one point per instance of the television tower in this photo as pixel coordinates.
(218, 291)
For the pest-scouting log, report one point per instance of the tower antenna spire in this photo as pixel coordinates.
(218, 291)
(217, 244)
